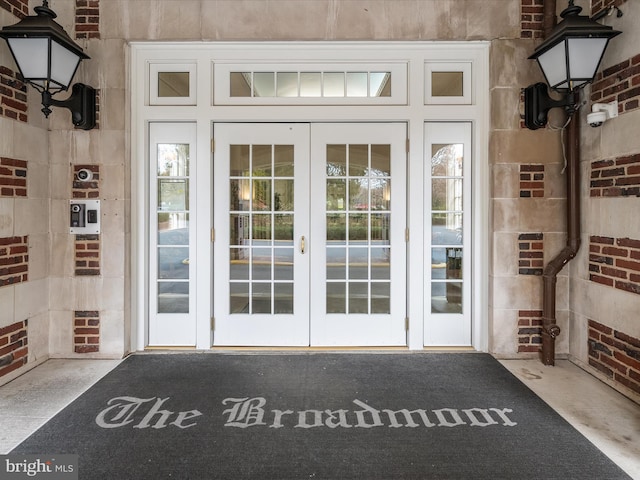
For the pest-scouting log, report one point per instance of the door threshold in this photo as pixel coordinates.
(307, 349)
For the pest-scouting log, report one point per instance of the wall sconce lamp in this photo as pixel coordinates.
(48, 59)
(569, 59)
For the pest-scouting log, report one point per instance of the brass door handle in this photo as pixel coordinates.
(302, 244)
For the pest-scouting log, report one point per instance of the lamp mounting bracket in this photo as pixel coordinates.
(81, 104)
(537, 104)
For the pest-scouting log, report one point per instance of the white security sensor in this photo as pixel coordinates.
(601, 112)
(85, 175)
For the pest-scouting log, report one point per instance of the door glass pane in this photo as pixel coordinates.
(446, 194)
(283, 229)
(358, 297)
(283, 269)
(261, 159)
(283, 298)
(173, 262)
(336, 297)
(447, 228)
(336, 228)
(381, 160)
(336, 160)
(173, 160)
(283, 195)
(283, 160)
(173, 228)
(173, 194)
(381, 263)
(358, 160)
(239, 297)
(380, 228)
(336, 263)
(239, 268)
(239, 160)
(261, 298)
(240, 193)
(446, 297)
(261, 191)
(261, 229)
(358, 263)
(381, 297)
(261, 263)
(173, 297)
(446, 160)
(358, 240)
(172, 215)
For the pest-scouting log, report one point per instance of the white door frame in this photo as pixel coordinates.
(419, 58)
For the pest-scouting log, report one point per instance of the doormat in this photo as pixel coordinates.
(317, 416)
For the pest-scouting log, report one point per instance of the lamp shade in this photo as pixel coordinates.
(572, 53)
(44, 53)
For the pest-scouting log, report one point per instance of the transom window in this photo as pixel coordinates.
(352, 83)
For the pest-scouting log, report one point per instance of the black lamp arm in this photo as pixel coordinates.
(81, 103)
(537, 104)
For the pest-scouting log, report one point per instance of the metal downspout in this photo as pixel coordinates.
(550, 329)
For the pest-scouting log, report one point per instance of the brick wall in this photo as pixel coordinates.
(20, 8)
(87, 255)
(530, 253)
(86, 332)
(531, 19)
(617, 177)
(615, 354)
(87, 22)
(619, 82)
(615, 262)
(14, 260)
(529, 330)
(531, 181)
(598, 5)
(13, 177)
(14, 347)
(13, 95)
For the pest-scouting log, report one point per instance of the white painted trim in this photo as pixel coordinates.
(205, 54)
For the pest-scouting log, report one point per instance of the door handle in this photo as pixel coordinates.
(303, 245)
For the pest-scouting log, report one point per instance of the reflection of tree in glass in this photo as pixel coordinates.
(440, 162)
(173, 160)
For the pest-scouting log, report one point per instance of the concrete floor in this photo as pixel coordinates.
(607, 418)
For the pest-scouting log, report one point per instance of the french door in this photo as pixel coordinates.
(309, 222)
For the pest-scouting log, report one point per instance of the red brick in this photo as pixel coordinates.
(627, 338)
(600, 327)
(11, 328)
(622, 358)
(628, 242)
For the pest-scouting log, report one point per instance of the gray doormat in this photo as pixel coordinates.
(317, 416)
